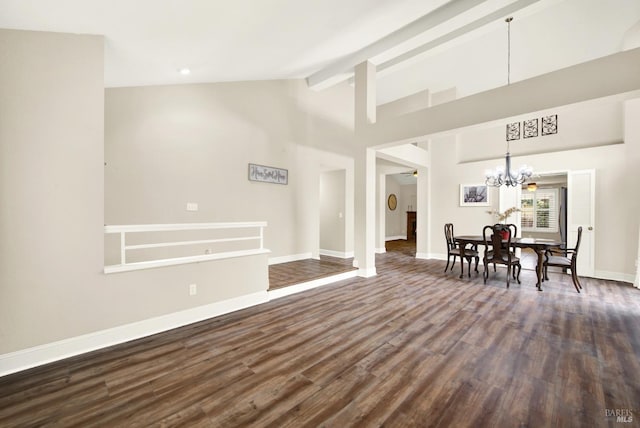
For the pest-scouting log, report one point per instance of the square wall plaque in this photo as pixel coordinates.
(550, 124)
(530, 128)
(513, 131)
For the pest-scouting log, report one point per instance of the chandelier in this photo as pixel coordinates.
(505, 176)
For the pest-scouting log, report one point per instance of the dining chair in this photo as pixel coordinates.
(454, 250)
(506, 230)
(509, 228)
(497, 251)
(564, 258)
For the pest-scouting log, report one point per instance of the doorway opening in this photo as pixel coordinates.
(543, 214)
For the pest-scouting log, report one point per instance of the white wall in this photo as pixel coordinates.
(630, 216)
(169, 145)
(332, 211)
(51, 163)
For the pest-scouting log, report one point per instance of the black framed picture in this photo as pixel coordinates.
(549, 124)
(530, 128)
(513, 131)
(474, 195)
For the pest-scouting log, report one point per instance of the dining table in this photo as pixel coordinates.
(538, 245)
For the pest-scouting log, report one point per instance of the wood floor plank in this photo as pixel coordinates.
(412, 346)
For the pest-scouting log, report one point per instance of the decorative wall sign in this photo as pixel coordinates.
(550, 124)
(513, 131)
(530, 128)
(268, 174)
(474, 195)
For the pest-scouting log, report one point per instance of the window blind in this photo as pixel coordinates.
(539, 210)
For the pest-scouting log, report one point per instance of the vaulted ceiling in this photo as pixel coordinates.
(416, 44)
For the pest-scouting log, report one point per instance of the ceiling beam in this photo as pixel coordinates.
(603, 77)
(406, 154)
(343, 69)
(491, 18)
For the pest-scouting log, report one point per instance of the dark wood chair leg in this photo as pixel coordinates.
(448, 259)
(574, 277)
(575, 273)
(508, 274)
(454, 261)
(519, 269)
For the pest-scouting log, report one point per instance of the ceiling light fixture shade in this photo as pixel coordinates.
(505, 176)
(532, 187)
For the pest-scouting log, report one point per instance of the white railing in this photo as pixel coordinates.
(123, 230)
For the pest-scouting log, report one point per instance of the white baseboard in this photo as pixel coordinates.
(286, 291)
(381, 250)
(614, 276)
(395, 238)
(38, 355)
(423, 256)
(367, 273)
(289, 258)
(339, 254)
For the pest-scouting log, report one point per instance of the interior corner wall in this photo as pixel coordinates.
(51, 187)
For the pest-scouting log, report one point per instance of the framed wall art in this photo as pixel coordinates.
(268, 174)
(474, 195)
(392, 202)
(513, 131)
(530, 128)
(550, 124)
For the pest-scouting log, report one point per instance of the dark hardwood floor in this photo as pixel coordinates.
(286, 274)
(412, 346)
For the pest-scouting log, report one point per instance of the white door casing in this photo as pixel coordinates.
(581, 212)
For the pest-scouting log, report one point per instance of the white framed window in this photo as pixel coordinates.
(539, 211)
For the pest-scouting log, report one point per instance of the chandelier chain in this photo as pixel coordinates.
(505, 176)
(508, 20)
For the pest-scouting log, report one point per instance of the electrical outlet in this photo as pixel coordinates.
(192, 206)
(193, 289)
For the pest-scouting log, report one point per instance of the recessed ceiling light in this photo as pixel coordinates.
(184, 71)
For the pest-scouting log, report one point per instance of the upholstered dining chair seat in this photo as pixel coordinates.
(467, 252)
(504, 257)
(559, 261)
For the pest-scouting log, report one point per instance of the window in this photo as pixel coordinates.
(539, 210)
